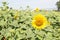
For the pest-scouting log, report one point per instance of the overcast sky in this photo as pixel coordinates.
(42, 4)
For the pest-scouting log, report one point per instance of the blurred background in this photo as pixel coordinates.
(41, 4)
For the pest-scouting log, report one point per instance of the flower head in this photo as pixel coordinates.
(16, 15)
(37, 9)
(39, 21)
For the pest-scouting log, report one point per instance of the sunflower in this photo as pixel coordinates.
(39, 21)
(37, 9)
(16, 16)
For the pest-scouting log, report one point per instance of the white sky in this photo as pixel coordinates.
(42, 4)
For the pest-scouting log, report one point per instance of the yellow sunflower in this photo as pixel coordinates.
(39, 21)
(37, 9)
(16, 15)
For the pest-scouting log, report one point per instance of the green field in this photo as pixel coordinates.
(16, 25)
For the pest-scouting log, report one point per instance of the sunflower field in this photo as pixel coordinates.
(29, 24)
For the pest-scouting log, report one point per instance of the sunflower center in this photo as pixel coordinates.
(39, 22)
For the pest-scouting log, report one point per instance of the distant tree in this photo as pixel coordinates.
(58, 5)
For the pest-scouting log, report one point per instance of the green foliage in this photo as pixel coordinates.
(58, 5)
(21, 29)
